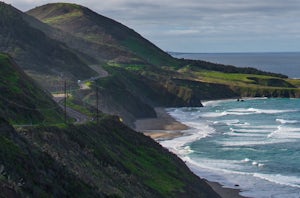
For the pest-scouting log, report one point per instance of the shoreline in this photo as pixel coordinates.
(165, 127)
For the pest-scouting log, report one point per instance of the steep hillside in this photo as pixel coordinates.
(21, 100)
(144, 74)
(114, 40)
(36, 52)
(131, 95)
(27, 171)
(104, 160)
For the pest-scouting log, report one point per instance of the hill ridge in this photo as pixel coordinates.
(34, 51)
(104, 27)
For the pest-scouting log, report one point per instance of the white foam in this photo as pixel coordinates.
(260, 165)
(246, 160)
(283, 132)
(234, 122)
(250, 174)
(216, 166)
(269, 127)
(245, 134)
(292, 181)
(253, 142)
(224, 113)
(270, 111)
(251, 130)
(283, 121)
(244, 111)
(213, 114)
(179, 145)
(214, 103)
(251, 184)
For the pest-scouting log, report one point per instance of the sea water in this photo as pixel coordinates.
(252, 145)
(287, 63)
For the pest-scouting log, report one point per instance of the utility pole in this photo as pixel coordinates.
(97, 104)
(65, 103)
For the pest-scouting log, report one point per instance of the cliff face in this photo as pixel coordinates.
(107, 159)
(143, 73)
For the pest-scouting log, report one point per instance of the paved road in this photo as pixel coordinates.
(81, 118)
(97, 68)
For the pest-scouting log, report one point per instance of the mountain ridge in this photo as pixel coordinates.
(105, 30)
(106, 158)
(34, 51)
(162, 81)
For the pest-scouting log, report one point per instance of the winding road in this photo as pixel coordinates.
(80, 117)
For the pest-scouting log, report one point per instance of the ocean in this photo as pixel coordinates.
(252, 145)
(287, 63)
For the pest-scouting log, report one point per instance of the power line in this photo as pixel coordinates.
(58, 107)
(97, 104)
(65, 105)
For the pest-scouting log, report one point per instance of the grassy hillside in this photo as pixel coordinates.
(21, 100)
(196, 65)
(28, 171)
(118, 42)
(36, 52)
(247, 85)
(146, 75)
(104, 160)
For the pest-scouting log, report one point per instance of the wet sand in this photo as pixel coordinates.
(166, 127)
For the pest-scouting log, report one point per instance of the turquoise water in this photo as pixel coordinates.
(287, 63)
(252, 145)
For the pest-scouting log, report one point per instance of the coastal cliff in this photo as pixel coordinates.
(121, 73)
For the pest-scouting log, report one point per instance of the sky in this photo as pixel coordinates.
(204, 26)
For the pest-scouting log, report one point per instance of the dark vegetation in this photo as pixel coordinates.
(204, 65)
(22, 101)
(272, 82)
(135, 94)
(27, 170)
(116, 40)
(106, 159)
(139, 70)
(33, 50)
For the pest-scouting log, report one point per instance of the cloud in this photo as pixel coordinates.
(200, 22)
(181, 32)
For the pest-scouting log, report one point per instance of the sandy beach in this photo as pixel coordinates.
(166, 127)
(162, 127)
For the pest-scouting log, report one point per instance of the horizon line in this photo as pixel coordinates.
(250, 52)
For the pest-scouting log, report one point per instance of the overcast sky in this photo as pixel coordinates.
(203, 25)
